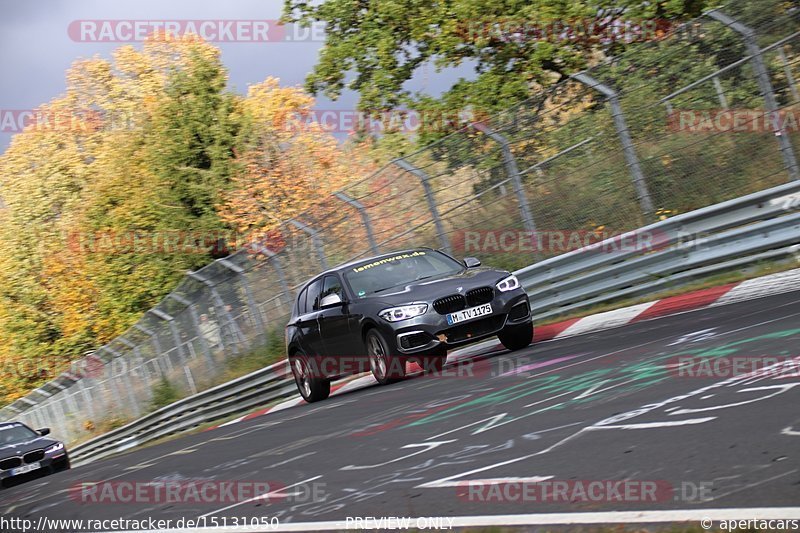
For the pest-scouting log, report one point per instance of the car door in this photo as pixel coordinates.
(335, 325)
(307, 322)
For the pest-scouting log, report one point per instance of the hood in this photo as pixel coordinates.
(427, 290)
(23, 447)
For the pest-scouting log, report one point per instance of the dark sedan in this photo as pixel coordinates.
(412, 305)
(27, 454)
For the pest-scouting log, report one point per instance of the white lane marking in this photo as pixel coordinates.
(537, 519)
(491, 421)
(780, 390)
(292, 459)
(491, 481)
(427, 446)
(697, 336)
(651, 425)
(607, 320)
(281, 492)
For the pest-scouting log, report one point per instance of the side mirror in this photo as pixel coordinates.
(330, 300)
(472, 262)
(43, 431)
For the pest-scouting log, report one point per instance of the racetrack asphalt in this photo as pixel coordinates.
(515, 433)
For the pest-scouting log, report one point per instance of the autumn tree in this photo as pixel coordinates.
(154, 161)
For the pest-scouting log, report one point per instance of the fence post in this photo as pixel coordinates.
(510, 164)
(196, 325)
(276, 264)
(315, 240)
(125, 381)
(723, 101)
(623, 132)
(255, 311)
(787, 70)
(156, 344)
(176, 336)
(87, 398)
(764, 83)
(221, 307)
(373, 246)
(437, 220)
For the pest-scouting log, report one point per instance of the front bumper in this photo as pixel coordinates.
(431, 330)
(49, 465)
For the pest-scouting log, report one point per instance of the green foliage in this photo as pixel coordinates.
(271, 352)
(164, 393)
(384, 42)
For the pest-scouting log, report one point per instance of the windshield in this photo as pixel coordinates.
(379, 275)
(16, 433)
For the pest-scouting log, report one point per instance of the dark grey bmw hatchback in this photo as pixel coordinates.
(379, 313)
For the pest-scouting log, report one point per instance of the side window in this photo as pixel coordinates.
(312, 298)
(301, 302)
(331, 286)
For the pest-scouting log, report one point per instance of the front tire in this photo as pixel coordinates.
(386, 368)
(311, 388)
(516, 337)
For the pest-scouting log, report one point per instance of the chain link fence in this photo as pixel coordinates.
(697, 117)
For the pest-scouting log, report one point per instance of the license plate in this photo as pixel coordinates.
(469, 314)
(24, 469)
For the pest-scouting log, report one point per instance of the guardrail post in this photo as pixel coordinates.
(176, 336)
(624, 134)
(196, 325)
(444, 242)
(764, 83)
(276, 264)
(510, 164)
(221, 308)
(255, 312)
(315, 240)
(373, 246)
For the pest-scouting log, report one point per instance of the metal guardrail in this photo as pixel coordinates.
(738, 232)
(258, 388)
(734, 233)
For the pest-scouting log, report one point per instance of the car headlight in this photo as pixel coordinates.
(508, 284)
(57, 447)
(404, 312)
